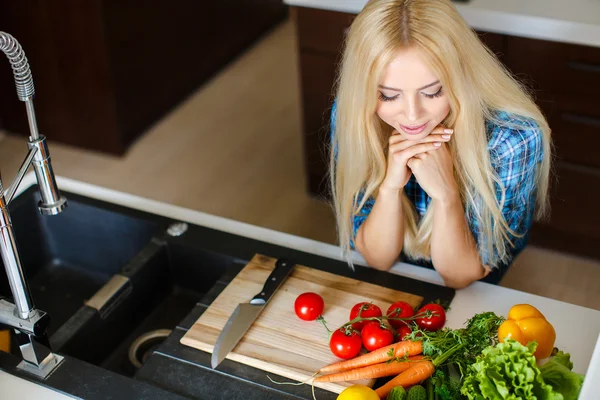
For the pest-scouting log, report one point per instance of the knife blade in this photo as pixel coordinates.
(246, 313)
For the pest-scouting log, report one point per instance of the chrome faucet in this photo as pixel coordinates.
(28, 322)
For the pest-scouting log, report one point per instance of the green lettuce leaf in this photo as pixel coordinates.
(507, 371)
(557, 373)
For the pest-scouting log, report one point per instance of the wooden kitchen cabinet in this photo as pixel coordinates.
(106, 70)
(563, 78)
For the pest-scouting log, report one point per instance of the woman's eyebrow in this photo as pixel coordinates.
(399, 90)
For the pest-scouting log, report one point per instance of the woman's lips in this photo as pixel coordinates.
(414, 130)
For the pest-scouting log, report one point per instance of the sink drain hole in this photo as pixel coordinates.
(145, 344)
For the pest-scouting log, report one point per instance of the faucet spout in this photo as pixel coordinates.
(29, 323)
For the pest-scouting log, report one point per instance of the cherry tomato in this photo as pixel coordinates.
(309, 306)
(436, 321)
(403, 331)
(374, 336)
(344, 345)
(399, 309)
(367, 310)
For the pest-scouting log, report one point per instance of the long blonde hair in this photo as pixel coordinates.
(477, 85)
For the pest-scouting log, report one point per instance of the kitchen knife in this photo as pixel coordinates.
(246, 313)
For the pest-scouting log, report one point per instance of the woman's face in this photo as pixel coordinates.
(411, 98)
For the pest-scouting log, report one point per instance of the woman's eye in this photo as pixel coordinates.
(436, 94)
(383, 97)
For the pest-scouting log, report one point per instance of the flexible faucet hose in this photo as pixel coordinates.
(19, 64)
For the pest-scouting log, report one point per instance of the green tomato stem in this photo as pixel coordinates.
(424, 314)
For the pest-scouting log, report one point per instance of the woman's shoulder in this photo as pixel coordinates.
(512, 136)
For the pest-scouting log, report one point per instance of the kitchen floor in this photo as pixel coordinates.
(234, 149)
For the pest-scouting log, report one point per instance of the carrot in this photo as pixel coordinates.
(383, 354)
(370, 371)
(417, 373)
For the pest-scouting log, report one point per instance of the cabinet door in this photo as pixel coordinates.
(321, 31)
(320, 39)
(316, 73)
(574, 219)
(555, 68)
(575, 124)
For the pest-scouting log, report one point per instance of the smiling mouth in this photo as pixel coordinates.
(415, 129)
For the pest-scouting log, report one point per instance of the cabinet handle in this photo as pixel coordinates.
(582, 66)
(581, 119)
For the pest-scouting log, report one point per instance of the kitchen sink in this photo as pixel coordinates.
(107, 276)
(68, 257)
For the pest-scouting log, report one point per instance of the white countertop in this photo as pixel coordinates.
(577, 328)
(569, 21)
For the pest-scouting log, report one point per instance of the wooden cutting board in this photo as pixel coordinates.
(278, 341)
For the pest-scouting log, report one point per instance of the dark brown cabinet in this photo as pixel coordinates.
(105, 70)
(564, 79)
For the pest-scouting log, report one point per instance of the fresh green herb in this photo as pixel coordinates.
(466, 343)
(457, 349)
(444, 386)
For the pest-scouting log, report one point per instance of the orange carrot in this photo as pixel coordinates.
(417, 373)
(371, 371)
(383, 354)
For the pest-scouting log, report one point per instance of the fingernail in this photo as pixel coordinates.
(437, 144)
(448, 130)
(446, 136)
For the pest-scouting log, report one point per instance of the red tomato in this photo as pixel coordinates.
(343, 345)
(309, 306)
(403, 331)
(435, 321)
(399, 309)
(367, 310)
(374, 336)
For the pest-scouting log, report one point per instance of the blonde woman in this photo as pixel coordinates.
(438, 154)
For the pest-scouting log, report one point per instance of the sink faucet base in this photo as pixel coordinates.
(45, 369)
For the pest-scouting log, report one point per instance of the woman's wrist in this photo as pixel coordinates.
(388, 192)
(449, 199)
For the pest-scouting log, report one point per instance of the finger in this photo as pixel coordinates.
(403, 145)
(440, 135)
(395, 138)
(442, 130)
(432, 137)
(413, 163)
(417, 149)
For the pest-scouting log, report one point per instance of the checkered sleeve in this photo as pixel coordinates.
(516, 154)
(359, 218)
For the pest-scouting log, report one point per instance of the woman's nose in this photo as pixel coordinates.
(413, 109)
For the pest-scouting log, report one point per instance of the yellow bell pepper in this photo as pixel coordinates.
(525, 324)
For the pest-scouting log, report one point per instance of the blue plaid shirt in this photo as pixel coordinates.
(515, 147)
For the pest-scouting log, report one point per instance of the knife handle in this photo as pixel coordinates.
(281, 271)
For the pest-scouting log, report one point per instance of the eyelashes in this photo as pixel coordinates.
(436, 94)
(383, 97)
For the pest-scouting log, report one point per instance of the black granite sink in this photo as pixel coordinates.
(69, 258)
